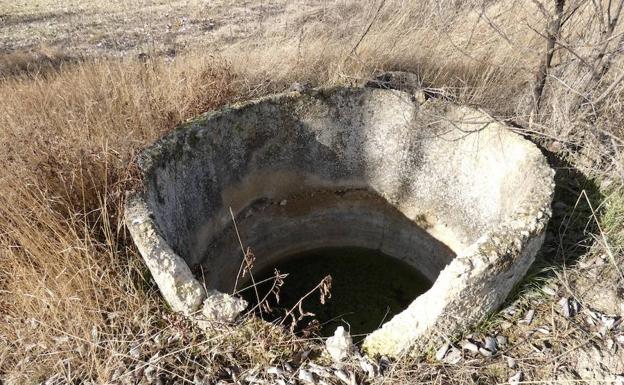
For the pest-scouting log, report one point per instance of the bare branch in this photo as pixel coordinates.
(355, 47)
(554, 26)
(609, 89)
(564, 46)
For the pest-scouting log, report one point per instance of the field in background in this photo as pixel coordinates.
(84, 85)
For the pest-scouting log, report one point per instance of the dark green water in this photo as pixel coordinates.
(368, 288)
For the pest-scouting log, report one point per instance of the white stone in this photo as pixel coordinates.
(441, 352)
(222, 307)
(340, 345)
(516, 378)
(453, 357)
(306, 376)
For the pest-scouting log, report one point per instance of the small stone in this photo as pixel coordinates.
(221, 307)
(318, 370)
(516, 378)
(501, 340)
(173, 339)
(369, 368)
(610, 343)
(511, 310)
(299, 87)
(384, 363)
(565, 307)
(254, 380)
(283, 202)
(348, 379)
(234, 372)
(340, 345)
(442, 351)
(491, 344)
(275, 371)
(485, 352)
(528, 317)
(467, 345)
(511, 362)
(453, 357)
(608, 322)
(575, 306)
(135, 352)
(306, 376)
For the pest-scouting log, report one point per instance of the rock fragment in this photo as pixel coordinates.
(275, 371)
(516, 378)
(485, 352)
(306, 376)
(340, 345)
(347, 379)
(565, 307)
(569, 307)
(384, 362)
(368, 367)
(222, 307)
(491, 344)
(441, 352)
(318, 370)
(470, 346)
(453, 357)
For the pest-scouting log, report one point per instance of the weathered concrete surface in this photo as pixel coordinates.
(443, 187)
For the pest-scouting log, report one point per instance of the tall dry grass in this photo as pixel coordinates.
(75, 297)
(71, 286)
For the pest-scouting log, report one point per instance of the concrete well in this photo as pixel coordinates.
(442, 187)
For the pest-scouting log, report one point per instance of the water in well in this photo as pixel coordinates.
(368, 288)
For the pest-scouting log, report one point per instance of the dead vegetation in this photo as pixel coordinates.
(76, 303)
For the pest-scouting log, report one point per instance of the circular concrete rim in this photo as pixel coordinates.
(469, 277)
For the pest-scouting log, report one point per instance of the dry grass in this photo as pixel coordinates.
(67, 271)
(76, 302)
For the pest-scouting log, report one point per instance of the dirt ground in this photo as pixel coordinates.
(120, 28)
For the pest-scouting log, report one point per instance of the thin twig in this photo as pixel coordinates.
(244, 261)
(355, 47)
